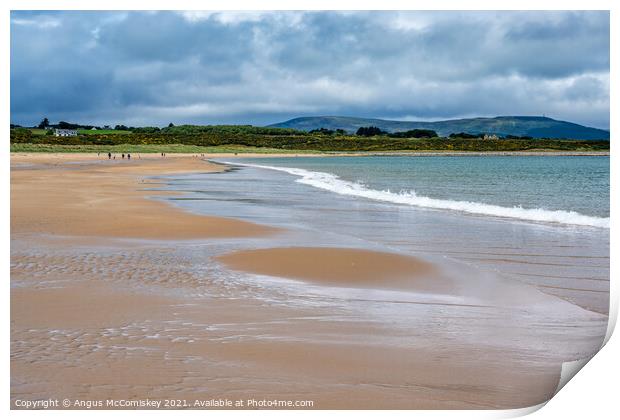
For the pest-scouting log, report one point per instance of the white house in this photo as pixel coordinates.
(62, 132)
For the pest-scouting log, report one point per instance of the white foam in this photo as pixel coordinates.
(331, 182)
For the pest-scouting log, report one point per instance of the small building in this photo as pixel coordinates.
(63, 132)
(490, 137)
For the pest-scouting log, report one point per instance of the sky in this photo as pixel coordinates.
(153, 68)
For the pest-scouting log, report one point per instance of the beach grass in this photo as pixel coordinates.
(148, 148)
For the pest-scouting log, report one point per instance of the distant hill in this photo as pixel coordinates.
(537, 127)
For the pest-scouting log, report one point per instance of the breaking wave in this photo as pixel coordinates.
(333, 183)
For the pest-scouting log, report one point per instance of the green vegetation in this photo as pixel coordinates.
(207, 139)
(227, 130)
(415, 133)
(102, 131)
(409, 134)
(44, 123)
(140, 148)
(462, 135)
(369, 131)
(328, 132)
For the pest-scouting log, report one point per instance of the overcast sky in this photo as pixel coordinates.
(147, 68)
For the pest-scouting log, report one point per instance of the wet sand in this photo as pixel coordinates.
(107, 302)
(89, 341)
(342, 267)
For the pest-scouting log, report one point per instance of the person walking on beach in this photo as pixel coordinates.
(109, 155)
(128, 156)
(123, 155)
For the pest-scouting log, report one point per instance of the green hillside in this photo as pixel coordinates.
(537, 127)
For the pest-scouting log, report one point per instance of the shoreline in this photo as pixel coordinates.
(108, 299)
(522, 153)
(413, 154)
(241, 154)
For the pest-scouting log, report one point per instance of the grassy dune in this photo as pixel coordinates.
(140, 148)
(182, 148)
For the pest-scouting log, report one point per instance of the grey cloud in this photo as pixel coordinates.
(151, 68)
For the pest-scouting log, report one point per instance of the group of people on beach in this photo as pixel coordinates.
(111, 156)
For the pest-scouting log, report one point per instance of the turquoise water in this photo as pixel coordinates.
(557, 189)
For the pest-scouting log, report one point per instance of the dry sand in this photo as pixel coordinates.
(100, 197)
(94, 319)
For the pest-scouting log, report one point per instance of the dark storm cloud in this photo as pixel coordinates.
(203, 67)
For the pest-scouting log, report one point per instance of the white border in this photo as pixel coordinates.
(593, 394)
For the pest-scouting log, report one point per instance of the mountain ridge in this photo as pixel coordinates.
(534, 126)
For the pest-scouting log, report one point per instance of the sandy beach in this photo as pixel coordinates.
(112, 298)
(341, 267)
(108, 199)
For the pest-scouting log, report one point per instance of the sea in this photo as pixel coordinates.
(557, 189)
